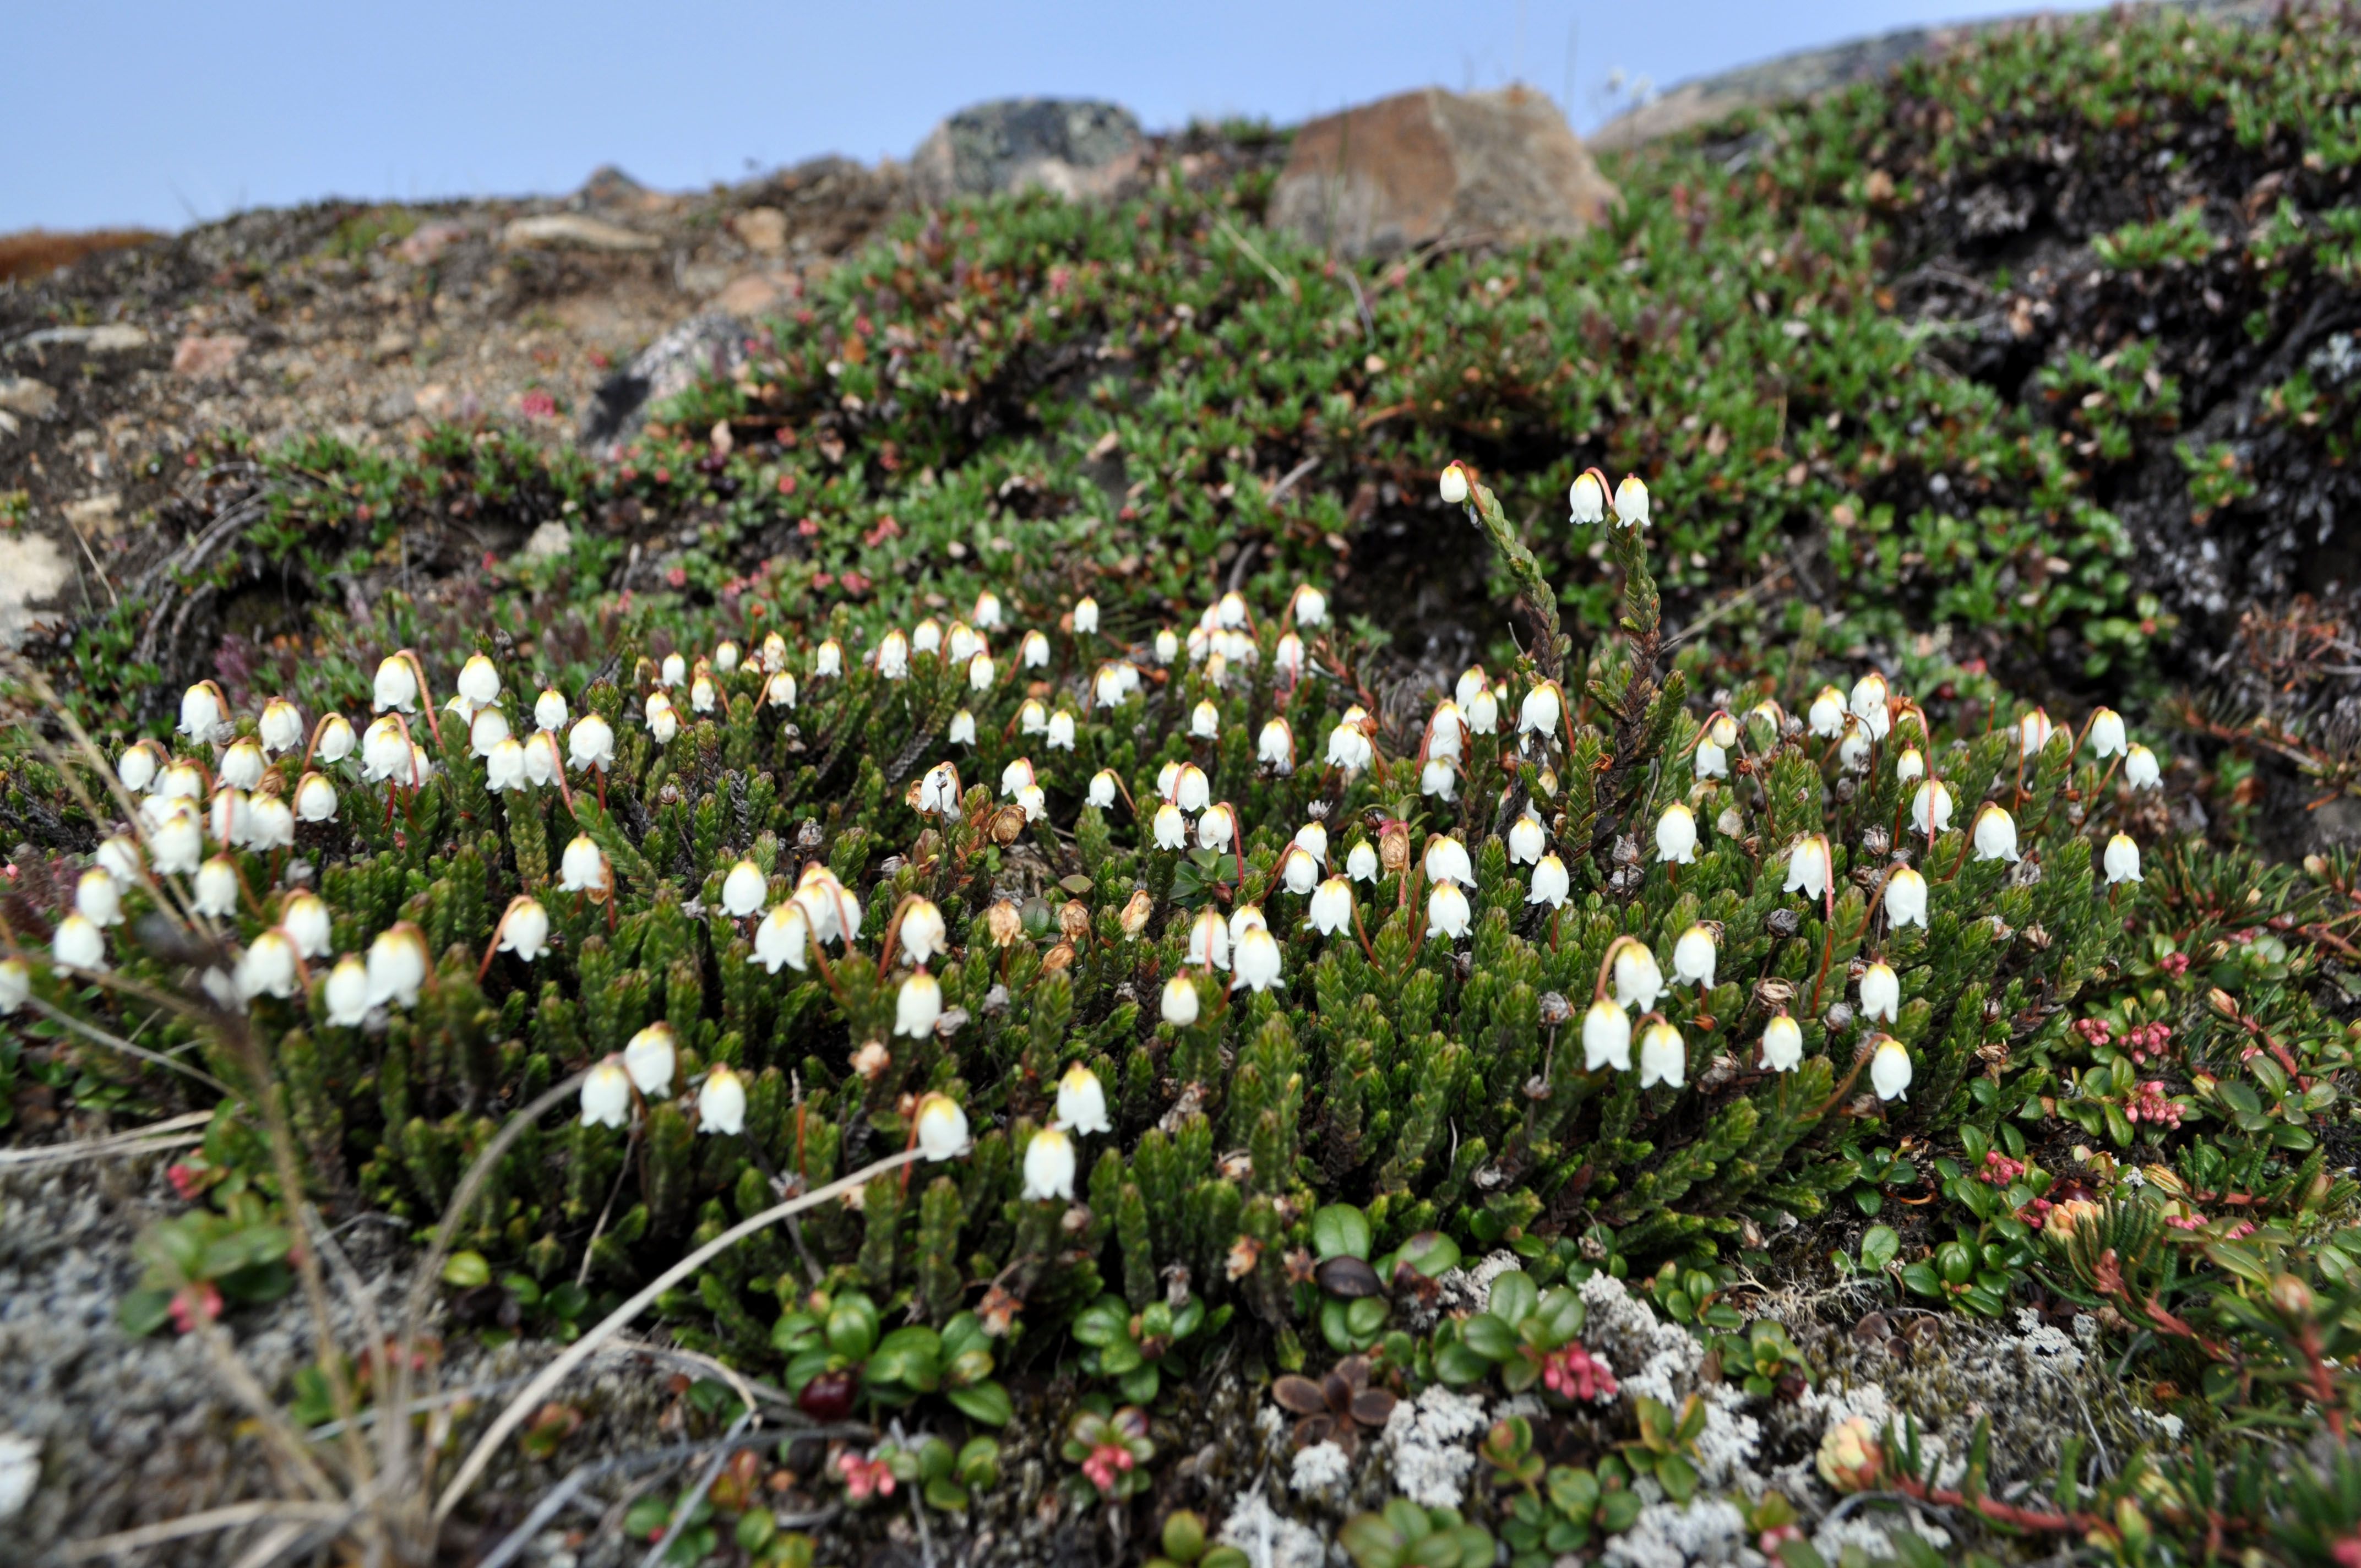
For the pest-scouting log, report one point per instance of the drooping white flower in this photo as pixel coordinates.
(1349, 746)
(1229, 613)
(16, 985)
(1889, 1069)
(781, 691)
(1906, 899)
(1585, 499)
(925, 933)
(1826, 715)
(1448, 914)
(1209, 939)
(78, 943)
(1311, 606)
(962, 728)
(1298, 871)
(1191, 790)
(607, 1095)
(1631, 509)
(652, 1058)
(524, 929)
(703, 696)
(270, 823)
(241, 764)
(1049, 1167)
(396, 685)
(1808, 866)
(137, 767)
(721, 1103)
(1179, 1003)
(181, 780)
(1275, 747)
(1639, 983)
(1869, 704)
(479, 680)
(200, 712)
(2123, 860)
(1783, 1045)
(663, 719)
(348, 991)
(583, 867)
(304, 917)
(2140, 769)
(2033, 732)
(986, 614)
(671, 672)
(215, 889)
(1168, 645)
(942, 1127)
(1693, 958)
(175, 839)
(1551, 883)
(828, 660)
(118, 856)
(504, 768)
(1086, 616)
(1331, 909)
(1881, 991)
(783, 938)
(268, 967)
(1711, 758)
(1016, 776)
(1995, 834)
(2107, 737)
(333, 741)
(1539, 713)
(1081, 1101)
(1606, 1038)
(385, 752)
(543, 763)
(1454, 486)
(1910, 766)
(1033, 653)
(397, 966)
(1256, 960)
(1527, 840)
(1101, 791)
(980, 672)
(1676, 835)
(1439, 776)
(894, 656)
(1931, 807)
(725, 655)
(1361, 863)
(775, 652)
(1313, 839)
(1035, 802)
(592, 743)
(938, 791)
(1853, 752)
(97, 899)
(1171, 827)
(1664, 1056)
(1447, 860)
(549, 710)
(1446, 730)
(1483, 711)
(280, 728)
(744, 889)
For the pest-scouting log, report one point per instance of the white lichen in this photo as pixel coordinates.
(1320, 1472)
(1669, 1535)
(1268, 1538)
(1428, 1439)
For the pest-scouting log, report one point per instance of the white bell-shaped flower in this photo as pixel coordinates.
(1256, 960)
(1676, 835)
(485, 730)
(652, 1058)
(215, 889)
(270, 823)
(1061, 732)
(397, 967)
(348, 991)
(241, 764)
(305, 918)
(1361, 863)
(2140, 768)
(607, 1095)
(783, 938)
(1783, 1045)
(1931, 807)
(1086, 616)
(1606, 1038)
(2033, 732)
(333, 741)
(1439, 776)
(175, 839)
(1298, 871)
(986, 614)
(200, 712)
(1889, 1069)
(1906, 899)
(942, 1127)
(1540, 712)
(962, 728)
(1275, 747)
(78, 943)
(919, 1005)
(16, 985)
(1179, 1003)
(1171, 827)
(1447, 860)
(662, 718)
(1453, 486)
(1209, 939)
(828, 660)
(138, 767)
(385, 752)
(1910, 766)
(1881, 991)
(1331, 909)
(1191, 790)
(1632, 511)
(268, 967)
(1808, 869)
(479, 680)
(721, 1103)
(1101, 791)
(1639, 983)
(2123, 860)
(925, 933)
(1049, 1167)
(2107, 737)
(97, 898)
(1483, 711)
(591, 744)
(1664, 1056)
(504, 767)
(894, 656)
(1826, 715)
(583, 867)
(1349, 747)
(1585, 499)
(1550, 884)
(1081, 1101)
(396, 685)
(1693, 957)
(1448, 914)
(549, 710)
(1527, 840)
(1870, 704)
(744, 889)
(1995, 834)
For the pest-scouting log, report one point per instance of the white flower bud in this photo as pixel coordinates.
(16, 985)
(663, 719)
(549, 710)
(1585, 499)
(780, 691)
(1676, 835)
(744, 889)
(828, 660)
(1275, 747)
(1180, 1003)
(1881, 991)
(1910, 766)
(137, 767)
(1889, 1069)
(1454, 486)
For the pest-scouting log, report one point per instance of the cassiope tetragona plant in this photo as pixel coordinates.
(1173, 933)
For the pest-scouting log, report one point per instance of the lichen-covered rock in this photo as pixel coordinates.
(1075, 148)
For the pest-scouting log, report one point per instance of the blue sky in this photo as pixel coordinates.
(134, 111)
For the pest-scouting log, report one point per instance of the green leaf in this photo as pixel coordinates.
(1879, 1245)
(985, 1402)
(1339, 1230)
(1489, 1337)
(466, 1270)
(1514, 1296)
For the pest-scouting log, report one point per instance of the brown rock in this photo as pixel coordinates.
(762, 228)
(573, 231)
(753, 294)
(1435, 165)
(200, 357)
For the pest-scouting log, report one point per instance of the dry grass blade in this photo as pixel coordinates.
(169, 1134)
(529, 1398)
(205, 1523)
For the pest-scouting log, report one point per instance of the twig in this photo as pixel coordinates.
(187, 1525)
(115, 1042)
(169, 1134)
(687, 1504)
